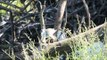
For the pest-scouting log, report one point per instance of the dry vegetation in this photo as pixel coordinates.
(78, 29)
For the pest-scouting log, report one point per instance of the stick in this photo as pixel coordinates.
(87, 11)
(64, 44)
(59, 14)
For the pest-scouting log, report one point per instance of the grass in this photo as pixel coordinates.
(84, 48)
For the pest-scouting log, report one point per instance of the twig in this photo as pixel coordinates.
(27, 16)
(12, 26)
(65, 21)
(42, 21)
(87, 11)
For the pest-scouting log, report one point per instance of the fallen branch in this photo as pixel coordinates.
(63, 45)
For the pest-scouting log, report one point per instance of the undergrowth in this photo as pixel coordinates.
(87, 47)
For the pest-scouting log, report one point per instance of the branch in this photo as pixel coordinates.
(59, 14)
(63, 45)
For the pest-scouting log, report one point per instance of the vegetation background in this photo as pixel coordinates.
(82, 21)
